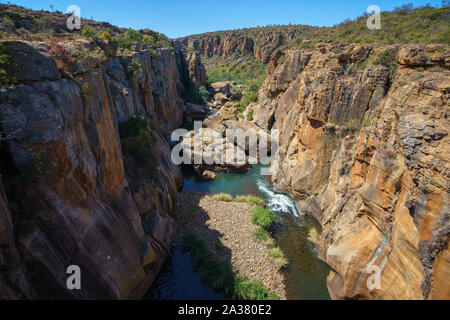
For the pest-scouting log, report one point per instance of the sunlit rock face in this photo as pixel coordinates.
(365, 149)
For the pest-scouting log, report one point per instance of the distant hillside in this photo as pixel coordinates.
(404, 25)
(20, 23)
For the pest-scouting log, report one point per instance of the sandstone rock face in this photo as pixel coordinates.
(190, 70)
(365, 149)
(69, 196)
(262, 44)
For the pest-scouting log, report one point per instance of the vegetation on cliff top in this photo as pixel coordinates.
(425, 24)
(244, 70)
(20, 23)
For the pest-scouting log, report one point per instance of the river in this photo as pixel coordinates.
(305, 274)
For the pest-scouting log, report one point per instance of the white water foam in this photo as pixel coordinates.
(278, 202)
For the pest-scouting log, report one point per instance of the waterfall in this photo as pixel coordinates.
(278, 202)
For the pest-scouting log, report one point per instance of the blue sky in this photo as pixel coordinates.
(177, 18)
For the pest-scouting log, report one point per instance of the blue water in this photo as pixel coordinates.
(179, 281)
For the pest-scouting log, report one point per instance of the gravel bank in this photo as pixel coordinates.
(230, 223)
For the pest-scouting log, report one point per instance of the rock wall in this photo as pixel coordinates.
(68, 195)
(365, 149)
(262, 44)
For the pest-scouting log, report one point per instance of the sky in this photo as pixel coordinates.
(177, 18)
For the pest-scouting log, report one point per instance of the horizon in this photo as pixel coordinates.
(199, 17)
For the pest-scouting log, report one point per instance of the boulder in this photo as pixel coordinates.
(422, 56)
(220, 98)
(223, 87)
(209, 175)
(194, 111)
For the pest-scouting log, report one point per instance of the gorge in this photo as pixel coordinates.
(87, 177)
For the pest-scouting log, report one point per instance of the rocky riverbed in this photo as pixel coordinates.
(230, 223)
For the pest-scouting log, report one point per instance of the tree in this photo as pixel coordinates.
(404, 9)
(134, 35)
(89, 32)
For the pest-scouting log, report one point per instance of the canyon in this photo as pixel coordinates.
(69, 195)
(364, 149)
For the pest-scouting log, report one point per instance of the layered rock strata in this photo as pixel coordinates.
(365, 149)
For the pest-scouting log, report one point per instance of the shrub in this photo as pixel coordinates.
(278, 257)
(263, 217)
(34, 170)
(404, 9)
(135, 139)
(149, 40)
(219, 245)
(247, 289)
(133, 35)
(135, 68)
(261, 234)
(250, 115)
(240, 199)
(248, 98)
(62, 56)
(222, 197)
(352, 126)
(204, 93)
(386, 58)
(41, 164)
(247, 71)
(192, 95)
(86, 90)
(89, 32)
(5, 61)
(250, 199)
(256, 201)
(154, 54)
(123, 41)
(89, 59)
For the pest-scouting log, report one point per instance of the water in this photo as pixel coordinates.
(305, 274)
(179, 281)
